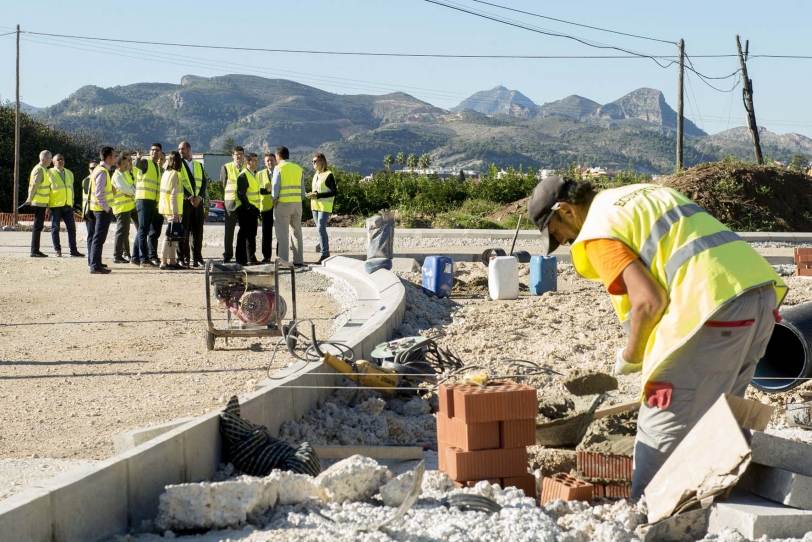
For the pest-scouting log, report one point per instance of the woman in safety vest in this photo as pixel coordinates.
(321, 198)
(697, 302)
(170, 205)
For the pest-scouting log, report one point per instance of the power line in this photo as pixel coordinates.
(574, 24)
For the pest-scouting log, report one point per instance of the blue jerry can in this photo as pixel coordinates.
(438, 276)
(543, 274)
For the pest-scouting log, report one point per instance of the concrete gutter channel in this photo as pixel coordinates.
(118, 494)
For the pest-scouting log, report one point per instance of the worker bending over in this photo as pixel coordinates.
(697, 302)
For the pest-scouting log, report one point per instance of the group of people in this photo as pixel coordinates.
(147, 191)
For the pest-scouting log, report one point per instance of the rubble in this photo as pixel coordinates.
(356, 478)
(395, 491)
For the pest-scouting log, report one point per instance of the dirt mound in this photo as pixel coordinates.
(515, 208)
(748, 197)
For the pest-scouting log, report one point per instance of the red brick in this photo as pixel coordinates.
(604, 466)
(802, 251)
(467, 437)
(517, 433)
(441, 454)
(446, 396)
(804, 265)
(484, 464)
(565, 487)
(472, 483)
(803, 272)
(613, 490)
(499, 401)
(803, 258)
(526, 483)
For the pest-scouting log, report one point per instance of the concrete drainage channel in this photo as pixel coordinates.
(118, 494)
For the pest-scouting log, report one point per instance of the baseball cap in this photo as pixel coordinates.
(545, 196)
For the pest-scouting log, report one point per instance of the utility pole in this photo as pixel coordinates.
(680, 106)
(747, 96)
(17, 134)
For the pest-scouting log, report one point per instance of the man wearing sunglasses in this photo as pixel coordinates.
(698, 303)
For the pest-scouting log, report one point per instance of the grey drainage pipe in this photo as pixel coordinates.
(788, 360)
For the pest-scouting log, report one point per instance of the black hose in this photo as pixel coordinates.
(788, 360)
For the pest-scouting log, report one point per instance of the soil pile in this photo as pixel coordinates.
(515, 208)
(335, 221)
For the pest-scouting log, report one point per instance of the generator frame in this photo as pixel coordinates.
(275, 327)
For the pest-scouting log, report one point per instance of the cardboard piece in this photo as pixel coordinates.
(710, 459)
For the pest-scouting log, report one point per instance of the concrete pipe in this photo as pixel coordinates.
(788, 360)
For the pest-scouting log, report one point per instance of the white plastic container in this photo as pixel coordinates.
(503, 277)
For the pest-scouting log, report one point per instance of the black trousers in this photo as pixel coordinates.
(231, 225)
(267, 235)
(247, 218)
(39, 223)
(192, 243)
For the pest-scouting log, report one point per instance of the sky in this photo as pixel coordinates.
(52, 68)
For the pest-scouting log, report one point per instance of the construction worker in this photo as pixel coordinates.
(147, 188)
(124, 210)
(171, 206)
(697, 302)
(61, 204)
(321, 198)
(228, 177)
(87, 214)
(39, 194)
(102, 195)
(195, 185)
(248, 212)
(288, 191)
(266, 206)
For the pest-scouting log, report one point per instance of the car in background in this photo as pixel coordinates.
(216, 214)
(219, 204)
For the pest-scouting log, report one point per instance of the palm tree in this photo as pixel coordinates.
(401, 159)
(425, 161)
(388, 161)
(411, 161)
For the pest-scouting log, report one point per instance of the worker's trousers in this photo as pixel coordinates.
(720, 358)
(287, 221)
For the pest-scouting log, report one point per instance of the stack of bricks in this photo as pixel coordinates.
(610, 474)
(483, 434)
(803, 261)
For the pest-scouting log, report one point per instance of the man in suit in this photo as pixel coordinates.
(195, 183)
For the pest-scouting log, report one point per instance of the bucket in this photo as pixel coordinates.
(503, 277)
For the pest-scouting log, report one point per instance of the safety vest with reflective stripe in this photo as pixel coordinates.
(290, 185)
(165, 203)
(698, 261)
(108, 189)
(197, 171)
(266, 182)
(253, 188)
(122, 203)
(324, 205)
(61, 189)
(148, 184)
(43, 194)
(230, 190)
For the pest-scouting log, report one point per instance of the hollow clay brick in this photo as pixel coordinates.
(803, 258)
(613, 490)
(802, 251)
(565, 487)
(484, 464)
(441, 454)
(604, 466)
(803, 272)
(468, 437)
(499, 401)
(446, 396)
(526, 483)
(517, 433)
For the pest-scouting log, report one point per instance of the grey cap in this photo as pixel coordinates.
(547, 193)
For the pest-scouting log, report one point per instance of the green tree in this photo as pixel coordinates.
(411, 161)
(425, 161)
(401, 159)
(228, 145)
(799, 162)
(388, 161)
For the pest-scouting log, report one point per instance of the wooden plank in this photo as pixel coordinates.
(375, 452)
(617, 409)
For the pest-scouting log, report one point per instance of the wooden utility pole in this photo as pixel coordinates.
(17, 134)
(747, 96)
(680, 105)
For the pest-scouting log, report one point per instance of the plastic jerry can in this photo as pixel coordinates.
(438, 276)
(503, 277)
(543, 274)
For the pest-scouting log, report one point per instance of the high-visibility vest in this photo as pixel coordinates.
(43, 194)
(108, 189)
(253, 188)
(165, 202)
(148, 184)
(61, 189)
(230, 190)
(290, 189)
(197, 171)
(122, 203)
(324, 205)
(266, 182)
(698, 261)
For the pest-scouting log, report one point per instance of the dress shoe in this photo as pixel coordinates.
(135, 263)
(104, 265)
(156, 262)
(226, 260)
(76, 254)
(120, 260)
(99, 271)
(323, 258)
(266, 260)
(253, 262)
(58, 253)
(38, 255)
(149, 264)
(198, 263)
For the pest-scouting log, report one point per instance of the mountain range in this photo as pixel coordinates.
(498, 126)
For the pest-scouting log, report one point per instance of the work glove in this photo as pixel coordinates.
(623, 367)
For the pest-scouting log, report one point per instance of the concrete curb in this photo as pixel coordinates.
(117, 495)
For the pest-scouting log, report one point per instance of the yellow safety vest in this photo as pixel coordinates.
(148, 184)
(197, 171)
(266, 182)
(122, 203)
(43, 194)
(324, 205)
(698, 261)
(165, 203)
(108, 189)
(61, 189)
(230, 190)
(290, 189)
(253, 188)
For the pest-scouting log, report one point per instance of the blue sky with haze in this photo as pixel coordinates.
(53, 68)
